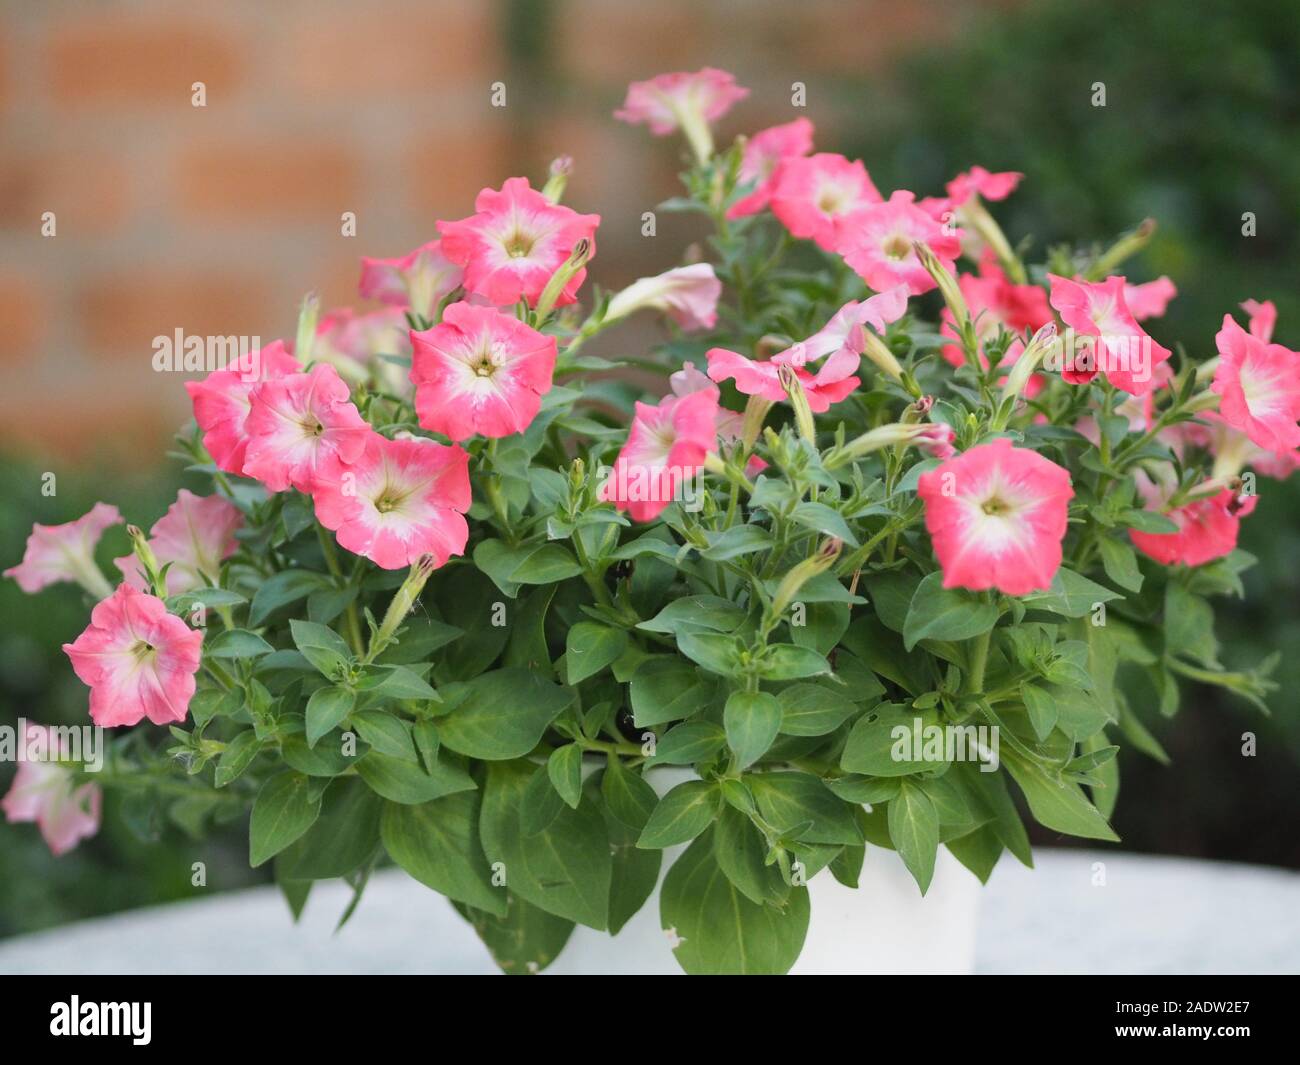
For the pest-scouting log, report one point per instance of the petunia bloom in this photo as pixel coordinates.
(764, 153)
(1207, 528)
(877, 241)
(66, 553)
(399, 500)
(302, 427)
(810, 194)
(480, 371)
(47, 793)
(1149, 300)
(195, 534)
(138, 659)
(685, 101)
(664, 453)
(515, 241)
(833, 380)
(997, 516)
(841, 330)
(1263, 317)
(420, 280)
(687, 294)
(221, 402)
(1259, 387)
(1123, 349)
(979, 181)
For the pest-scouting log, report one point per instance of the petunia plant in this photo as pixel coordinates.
(545, 628)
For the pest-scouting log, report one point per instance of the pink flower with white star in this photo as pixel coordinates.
(302, 427)
(810, 194)
(138, 659)
(1259, 387)
(480, 371)
(1124, 351)
(685, 101)
(66, 552)
(47, 793)
(997, 516)
(420, 280)
(515, 241)
(401, 499)
(877, 242)
(221, 402)
(764, 154)
(195, 534)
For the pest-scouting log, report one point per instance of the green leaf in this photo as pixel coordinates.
(1056, 804)
(978, 851)
(281, 589)
(883, 742)
(691, 741)
(564, 869)
(399, 682)
(718, 930)
(541, 803)
(401, 781)
(682, 814)
(548, 564)
(284, 809)
(498, 560)
(323, 760)
(437, 843)
(821, 518)
(696, 612)
(500, 715)
(628, 798)
(914, 829)
(589, 648)
(321, 646)
(736, 541)
(1121, 563)
(386, 733)
(800, 801)
(786, 661)
(752, 721)
(741, 854)
(716, 652)
(666, 688)
(325, 709)
(344, 836)
(564, 767)
(813, 710)
(236, 643)
(1070, 595)
(1040, 707)
(237, 757)
(1147, 521)
(939, 613)
(526, 940)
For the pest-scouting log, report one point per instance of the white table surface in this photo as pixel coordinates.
(1152, 915)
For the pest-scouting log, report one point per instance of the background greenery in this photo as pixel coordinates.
(1202, 123)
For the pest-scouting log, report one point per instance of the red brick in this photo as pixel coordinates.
(112, 59)
(369, 53)
(122, 314)
(94, 420)
(252, 180)
(21, 317)
(88, 194)
(615, 42)
(447, 170)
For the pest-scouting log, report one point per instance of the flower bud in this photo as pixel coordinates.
(948, 286)
(308, 314)
(148, 560)
(755, 414)
(874, 348)
(407, 596)
(803, 416)
(576, 261)
(827, 552)
(561, 168)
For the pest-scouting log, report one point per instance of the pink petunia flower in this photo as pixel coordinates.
(1263, 317)
(842, 330)
(685, 101)
(421, 279)
(831, 383)
(66, 553)
(46, 793)
(399, 500)
(979, 181)
(1149, 300)
(1233, 450)
(665, 450)
(345, 334)
(877, 242)
(515, 241)
(195, 534)
(1207, 528)
(221, 402)
(687, 294)
(480, 371)
(810, 194)
(997, 517)
(302, 427)
(1259, 387)
(138, 659)
(1123, 349)
(764, 153)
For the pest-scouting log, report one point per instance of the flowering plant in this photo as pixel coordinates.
(909, 523)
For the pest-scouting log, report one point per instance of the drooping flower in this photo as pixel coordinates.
(1124, 351)
(301, 427)
(420, 279)
(138, 659)
(46, 793)
(665, 450)
(195, 534)
(842, 329)
(997, 515)
(1207, 528)
(400, 499)
(221, 401)
(1149, 300)
(810, 194)
(1259, 387)
(877, 241)
(1263, 317)
(480, 371)
(685, 101)
(515, 241)
(764, 153)
(66, 553)
(1234, 451)
(833, 380)
(687, 294)
(979, 181)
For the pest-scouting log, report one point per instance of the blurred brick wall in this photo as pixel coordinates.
(216, 220)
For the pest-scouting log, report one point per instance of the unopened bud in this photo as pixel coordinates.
(820, 561)
(308, 315)
(803, 416)
(576, 261)
(407, 596)
(558, 177)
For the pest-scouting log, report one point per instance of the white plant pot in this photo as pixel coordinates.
(883, 927)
